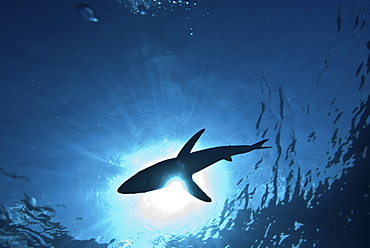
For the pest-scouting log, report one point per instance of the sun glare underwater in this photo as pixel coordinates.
(170, 210)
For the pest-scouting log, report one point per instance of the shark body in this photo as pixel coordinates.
(184, 166)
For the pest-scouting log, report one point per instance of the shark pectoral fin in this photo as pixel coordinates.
(195, 191)
(190, 144)
(229, 159)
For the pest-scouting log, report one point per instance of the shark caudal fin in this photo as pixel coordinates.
(195, 191)
(190, 144)
(258, 145)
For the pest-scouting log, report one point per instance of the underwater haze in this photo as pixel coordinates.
(93, 92)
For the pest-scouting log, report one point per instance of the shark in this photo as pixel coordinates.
(184, 166)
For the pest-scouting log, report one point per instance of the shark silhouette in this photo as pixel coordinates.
(184, 166)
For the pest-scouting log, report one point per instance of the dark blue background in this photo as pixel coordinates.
(86, 105)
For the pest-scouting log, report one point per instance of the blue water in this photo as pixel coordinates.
(87, 104)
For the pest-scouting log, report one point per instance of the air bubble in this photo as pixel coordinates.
(191, 31)
(142, 10)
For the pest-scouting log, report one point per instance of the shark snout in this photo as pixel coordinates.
(122, 189)
(136, 184)
(127, 187)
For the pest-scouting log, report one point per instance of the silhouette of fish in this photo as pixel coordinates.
(87, 12)
(184, 166)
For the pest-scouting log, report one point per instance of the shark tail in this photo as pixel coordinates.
(258, 145)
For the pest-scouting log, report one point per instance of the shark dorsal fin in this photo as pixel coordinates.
(190, 144)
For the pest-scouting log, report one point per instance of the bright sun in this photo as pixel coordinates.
(171, 209)
(172, 201)
(172, 198)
